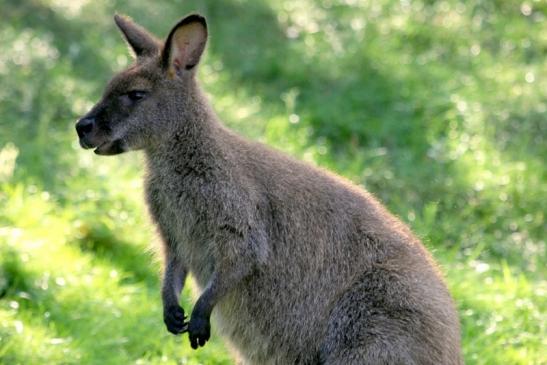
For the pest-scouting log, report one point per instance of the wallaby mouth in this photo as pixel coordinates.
(114, 147)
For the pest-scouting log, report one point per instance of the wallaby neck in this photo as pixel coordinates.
(193, 140)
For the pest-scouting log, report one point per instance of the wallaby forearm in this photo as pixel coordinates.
(173, 281)
(228, 273)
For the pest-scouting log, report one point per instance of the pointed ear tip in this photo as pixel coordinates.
(123, 20)
(119, 19)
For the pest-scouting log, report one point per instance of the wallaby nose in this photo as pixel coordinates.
(84, 126)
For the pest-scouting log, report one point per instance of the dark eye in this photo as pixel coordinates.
(136, 95)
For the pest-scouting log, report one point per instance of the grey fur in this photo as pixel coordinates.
(296, 264)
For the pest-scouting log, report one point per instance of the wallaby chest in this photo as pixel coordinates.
(176, 209)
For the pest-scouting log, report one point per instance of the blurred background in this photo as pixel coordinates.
(437, 107)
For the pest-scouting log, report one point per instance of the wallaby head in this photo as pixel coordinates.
(141, 103)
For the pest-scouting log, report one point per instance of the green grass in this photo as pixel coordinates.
(437, 107)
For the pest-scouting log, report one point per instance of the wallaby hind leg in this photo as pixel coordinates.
(372, 348)
(375, 354)
(375, 323)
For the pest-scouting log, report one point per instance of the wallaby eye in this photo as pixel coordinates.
(136, 95)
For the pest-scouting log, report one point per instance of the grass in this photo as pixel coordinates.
(437, 107)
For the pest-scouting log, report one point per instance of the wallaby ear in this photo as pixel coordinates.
(185, 44)
(141, 41)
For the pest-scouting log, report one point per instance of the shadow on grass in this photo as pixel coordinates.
(13, 275)
(135, 262)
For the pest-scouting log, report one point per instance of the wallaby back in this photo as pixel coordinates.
(300, 265)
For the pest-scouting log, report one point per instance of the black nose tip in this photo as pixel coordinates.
(84, 126)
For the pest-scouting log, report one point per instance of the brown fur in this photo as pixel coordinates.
(299, 265)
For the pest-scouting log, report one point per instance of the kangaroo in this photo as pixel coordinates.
(295, 264)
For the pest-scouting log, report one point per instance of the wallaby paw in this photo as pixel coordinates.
(174, 319)
(199, 331)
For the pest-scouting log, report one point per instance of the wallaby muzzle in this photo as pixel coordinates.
(86, 129)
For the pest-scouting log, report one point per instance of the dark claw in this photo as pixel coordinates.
(199, 331)
(174, 319)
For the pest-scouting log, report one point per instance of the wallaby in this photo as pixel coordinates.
(296, 265)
